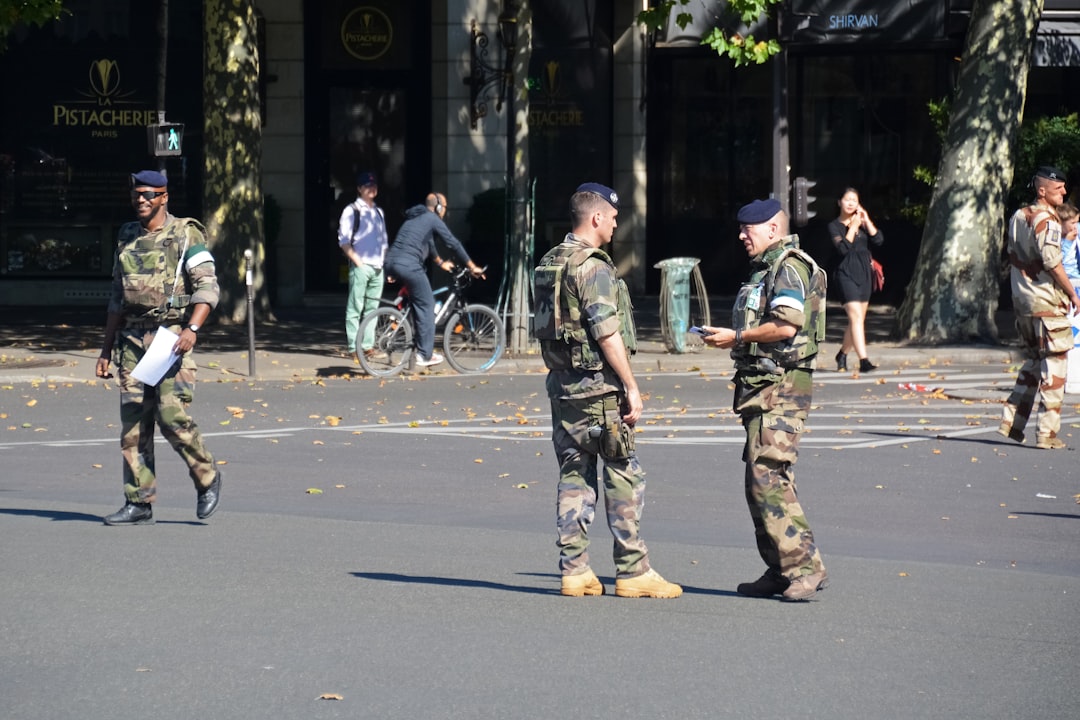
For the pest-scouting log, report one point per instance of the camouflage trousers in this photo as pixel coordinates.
(1046, 343)
(784, 538)
(166, 405)
(584, 431)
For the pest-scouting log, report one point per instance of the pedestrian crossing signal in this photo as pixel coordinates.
(165, 139)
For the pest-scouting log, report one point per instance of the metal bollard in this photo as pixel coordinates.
(248, 278)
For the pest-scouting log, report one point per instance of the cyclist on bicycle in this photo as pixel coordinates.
(405, 261)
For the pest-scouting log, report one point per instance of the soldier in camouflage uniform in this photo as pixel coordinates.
(779, 319)
(1042, 294)
(163, 276)
(585, 324)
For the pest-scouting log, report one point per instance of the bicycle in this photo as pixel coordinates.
(473, 335)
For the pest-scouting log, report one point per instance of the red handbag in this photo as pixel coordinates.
(878, 273)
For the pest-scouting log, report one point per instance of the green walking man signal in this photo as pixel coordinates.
(165, 139)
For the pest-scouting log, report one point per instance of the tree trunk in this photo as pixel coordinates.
(232, 192)
(953, 294)
(520, 238)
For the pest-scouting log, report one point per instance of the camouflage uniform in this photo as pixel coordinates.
(1042, 321)
(144, 271)
(586, 396)
(773, 386)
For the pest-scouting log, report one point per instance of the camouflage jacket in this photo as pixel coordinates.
(581, 304)
(786, 285)
(145, 289)
(1035, 246)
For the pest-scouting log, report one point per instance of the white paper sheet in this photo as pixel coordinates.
(158, 358)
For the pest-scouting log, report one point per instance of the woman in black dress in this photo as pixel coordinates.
(852, 232)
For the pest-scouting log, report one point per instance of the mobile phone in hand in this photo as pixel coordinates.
(698, 331)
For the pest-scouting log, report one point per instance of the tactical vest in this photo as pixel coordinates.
(149, 263)
(565, 342)
(750, 307)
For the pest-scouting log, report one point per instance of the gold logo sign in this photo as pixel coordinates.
(366, 33)
(549, 108)
(106, 105)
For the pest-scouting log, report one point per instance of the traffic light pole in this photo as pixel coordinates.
(781, 165)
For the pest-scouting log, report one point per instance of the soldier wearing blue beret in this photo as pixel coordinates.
(585, 325)
(779, 320)
(163, 277)
(1043, 299)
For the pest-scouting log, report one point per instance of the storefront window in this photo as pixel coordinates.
(710, 151)
(79, 94)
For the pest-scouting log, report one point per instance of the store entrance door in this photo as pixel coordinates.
(367, 109)
(365, 132)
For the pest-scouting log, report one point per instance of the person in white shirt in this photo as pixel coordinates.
(362, 237)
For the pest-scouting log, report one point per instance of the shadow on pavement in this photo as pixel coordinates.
(54, 515)
(454, 582)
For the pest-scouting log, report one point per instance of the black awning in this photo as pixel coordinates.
(844, 22)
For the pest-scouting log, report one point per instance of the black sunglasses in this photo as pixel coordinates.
(147, 195)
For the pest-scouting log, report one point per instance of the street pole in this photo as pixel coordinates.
(249, 258)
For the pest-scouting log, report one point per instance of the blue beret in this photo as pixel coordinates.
(758, 211)
(602, 190)
(366, 178)
(149, 178)
(1050, 173)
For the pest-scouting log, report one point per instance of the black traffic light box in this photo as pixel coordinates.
(803, 201)
(165, 139)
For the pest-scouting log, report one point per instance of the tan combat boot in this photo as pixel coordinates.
(648, 584)
(585, 583)
(805, 587)
(1049, 442)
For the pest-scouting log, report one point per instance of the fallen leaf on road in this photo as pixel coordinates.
(313, 491)
(317, 442)
(903, 574)
(96, 466)
(478, 460)
(32, 403)
(331, 696)
(333, 420)
(521, 486)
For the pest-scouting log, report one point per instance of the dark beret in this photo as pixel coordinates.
(366, 178)
(149, 178)
(758, 211)
(1050, 173)
(602, 190)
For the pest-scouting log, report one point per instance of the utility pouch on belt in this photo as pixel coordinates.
(616, 437)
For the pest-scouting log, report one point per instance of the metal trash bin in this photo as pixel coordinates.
(675, 278)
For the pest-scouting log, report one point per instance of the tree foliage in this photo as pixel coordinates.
(28, 12)
(739, 49)
(233, 197)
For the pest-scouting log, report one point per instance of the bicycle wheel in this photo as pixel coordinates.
(474, 338)
(393, 342)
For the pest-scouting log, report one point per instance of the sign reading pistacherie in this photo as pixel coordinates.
(366, 33)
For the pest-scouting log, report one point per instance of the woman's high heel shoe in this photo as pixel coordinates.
(866, 366)
(841, 361)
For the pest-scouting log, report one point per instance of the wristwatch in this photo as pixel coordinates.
(193, 327)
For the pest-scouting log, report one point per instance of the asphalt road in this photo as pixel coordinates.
(421, 581)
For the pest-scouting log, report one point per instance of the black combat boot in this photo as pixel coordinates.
(841, 361)
(866, 366)
(769, 584)
(208, 499)
(132, 514)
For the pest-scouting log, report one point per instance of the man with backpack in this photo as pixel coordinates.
(585, 325)
(362, 237)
